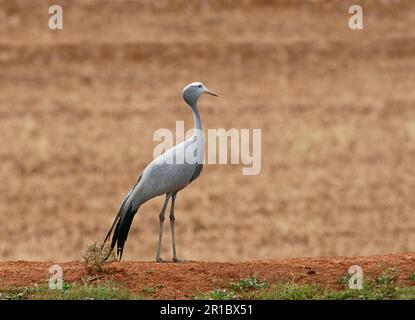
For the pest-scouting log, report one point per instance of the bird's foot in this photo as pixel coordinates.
(160, 260)
(175, 259)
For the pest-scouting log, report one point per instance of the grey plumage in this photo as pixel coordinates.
(167, 174)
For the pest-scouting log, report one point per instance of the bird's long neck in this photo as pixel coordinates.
(198, 136)
(196, 117)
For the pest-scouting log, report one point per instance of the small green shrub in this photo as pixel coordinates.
(387, 277)
(250, 283)
(218, 294)
(344, 279)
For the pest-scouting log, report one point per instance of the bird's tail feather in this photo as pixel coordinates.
(115, 220)
(122, 224)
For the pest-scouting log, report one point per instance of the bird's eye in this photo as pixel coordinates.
(199, 85)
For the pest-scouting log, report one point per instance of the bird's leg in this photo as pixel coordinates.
(172, 218)
(161, 217)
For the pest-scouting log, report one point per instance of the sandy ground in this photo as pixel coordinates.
(186, 280)
(78, 109)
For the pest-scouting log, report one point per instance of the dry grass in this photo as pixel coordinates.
(78, 109)
(96, 256)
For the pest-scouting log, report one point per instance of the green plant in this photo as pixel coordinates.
(219, 294)
(236, 289)
(344, 279)
(290, 291)
(152, 290)
(72, 291)
(387, 277)
(249, 283)
(383, 287)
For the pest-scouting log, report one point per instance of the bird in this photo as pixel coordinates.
(166, 175)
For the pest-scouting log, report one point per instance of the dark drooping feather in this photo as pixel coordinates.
(122, 224)
(197, 172)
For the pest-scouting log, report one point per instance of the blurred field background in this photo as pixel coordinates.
(78, 108)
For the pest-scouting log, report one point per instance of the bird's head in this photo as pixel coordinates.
(193, 91)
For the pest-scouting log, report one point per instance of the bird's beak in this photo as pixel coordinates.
(211, 93)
